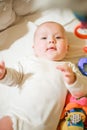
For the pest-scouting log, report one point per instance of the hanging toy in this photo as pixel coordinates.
(81, 29)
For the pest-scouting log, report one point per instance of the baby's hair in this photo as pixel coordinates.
(50, 22)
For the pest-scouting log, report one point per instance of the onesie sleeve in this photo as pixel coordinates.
(79, 87)
(13, 76)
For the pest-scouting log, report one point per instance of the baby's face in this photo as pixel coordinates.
(50, 41)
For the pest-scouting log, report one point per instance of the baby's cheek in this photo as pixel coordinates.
(62, 48)
(40, 50)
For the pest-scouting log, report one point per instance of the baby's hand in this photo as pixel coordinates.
(2, 70)
(68, 74)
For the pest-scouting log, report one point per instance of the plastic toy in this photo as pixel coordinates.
(82, 65)
(74, 116)
(81, 29)
(85, 49)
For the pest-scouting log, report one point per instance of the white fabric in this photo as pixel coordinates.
(7, 15)
(41, 96)
(10, 10)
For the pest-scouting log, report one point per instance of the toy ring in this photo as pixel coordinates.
(82, 65)
(78, 33)
(85, 49)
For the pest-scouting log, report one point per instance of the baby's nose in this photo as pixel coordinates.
(52, 40)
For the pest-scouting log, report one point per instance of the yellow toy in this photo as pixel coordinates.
(74, 116)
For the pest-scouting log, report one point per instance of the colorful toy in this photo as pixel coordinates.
(74, 116)
(81, 29)
(82, 65)
(85, 49)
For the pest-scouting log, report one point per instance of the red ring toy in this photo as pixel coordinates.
(85, 49)
(83, 36)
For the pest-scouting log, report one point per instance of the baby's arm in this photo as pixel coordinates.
(75, 82)
(10, 76)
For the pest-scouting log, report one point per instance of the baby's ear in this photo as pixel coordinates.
(68, 47)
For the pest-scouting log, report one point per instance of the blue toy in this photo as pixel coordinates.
(82, 65)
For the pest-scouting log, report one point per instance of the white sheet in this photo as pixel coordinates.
(16, 42)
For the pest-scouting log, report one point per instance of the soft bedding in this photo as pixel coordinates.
(16, 42)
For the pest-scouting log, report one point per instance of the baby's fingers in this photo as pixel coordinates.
(68, 74)
(2, 69)
(64, 68)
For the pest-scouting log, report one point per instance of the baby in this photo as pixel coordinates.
(43, 81)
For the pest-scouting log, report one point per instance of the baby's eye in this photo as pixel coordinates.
(44, 38)
(58, 37)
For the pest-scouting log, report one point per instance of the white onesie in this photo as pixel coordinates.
(41, 93)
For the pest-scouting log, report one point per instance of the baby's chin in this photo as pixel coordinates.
(54, 58)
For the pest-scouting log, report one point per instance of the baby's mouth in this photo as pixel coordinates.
(51, 48)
